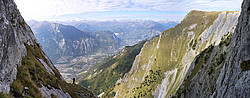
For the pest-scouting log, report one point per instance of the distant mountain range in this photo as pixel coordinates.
(61, 41)
(130, 32)
(70, 45)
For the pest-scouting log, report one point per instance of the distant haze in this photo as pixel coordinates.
(99, 10)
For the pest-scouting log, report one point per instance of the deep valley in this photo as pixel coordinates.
(206, 54)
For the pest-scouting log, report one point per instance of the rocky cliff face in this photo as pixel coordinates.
(163, 62)
(14, 33)
(234, 79)
(25, 70)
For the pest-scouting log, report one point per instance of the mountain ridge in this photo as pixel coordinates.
(174, 50)
(129, 31)
(163, 62)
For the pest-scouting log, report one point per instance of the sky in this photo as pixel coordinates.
(102, 10)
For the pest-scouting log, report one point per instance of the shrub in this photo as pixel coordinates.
(4, 95)
(245, 65)
(191, 43)
(194, 45)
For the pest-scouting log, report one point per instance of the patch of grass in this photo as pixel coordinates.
(17, 85)
(109, 93)
(4, 95)
(194, 45)
(22, 23)
(28, 74)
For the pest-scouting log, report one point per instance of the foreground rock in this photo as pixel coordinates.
(25, 70)
(234, 79)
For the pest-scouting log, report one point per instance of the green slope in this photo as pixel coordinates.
(34, 75)
(163, 62)
(105, 74)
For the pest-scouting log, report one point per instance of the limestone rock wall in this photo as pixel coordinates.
(14, 32)
(25, 69)
(233, 80)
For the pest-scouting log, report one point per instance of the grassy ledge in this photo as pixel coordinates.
(32, 75)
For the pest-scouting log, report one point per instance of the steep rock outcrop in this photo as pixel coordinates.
(14, 33)
(26, 71)
(234, 79)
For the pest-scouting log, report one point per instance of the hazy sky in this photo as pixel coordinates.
(52, 10)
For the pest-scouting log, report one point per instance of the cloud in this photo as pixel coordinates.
(44, 9)
(123, 15)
